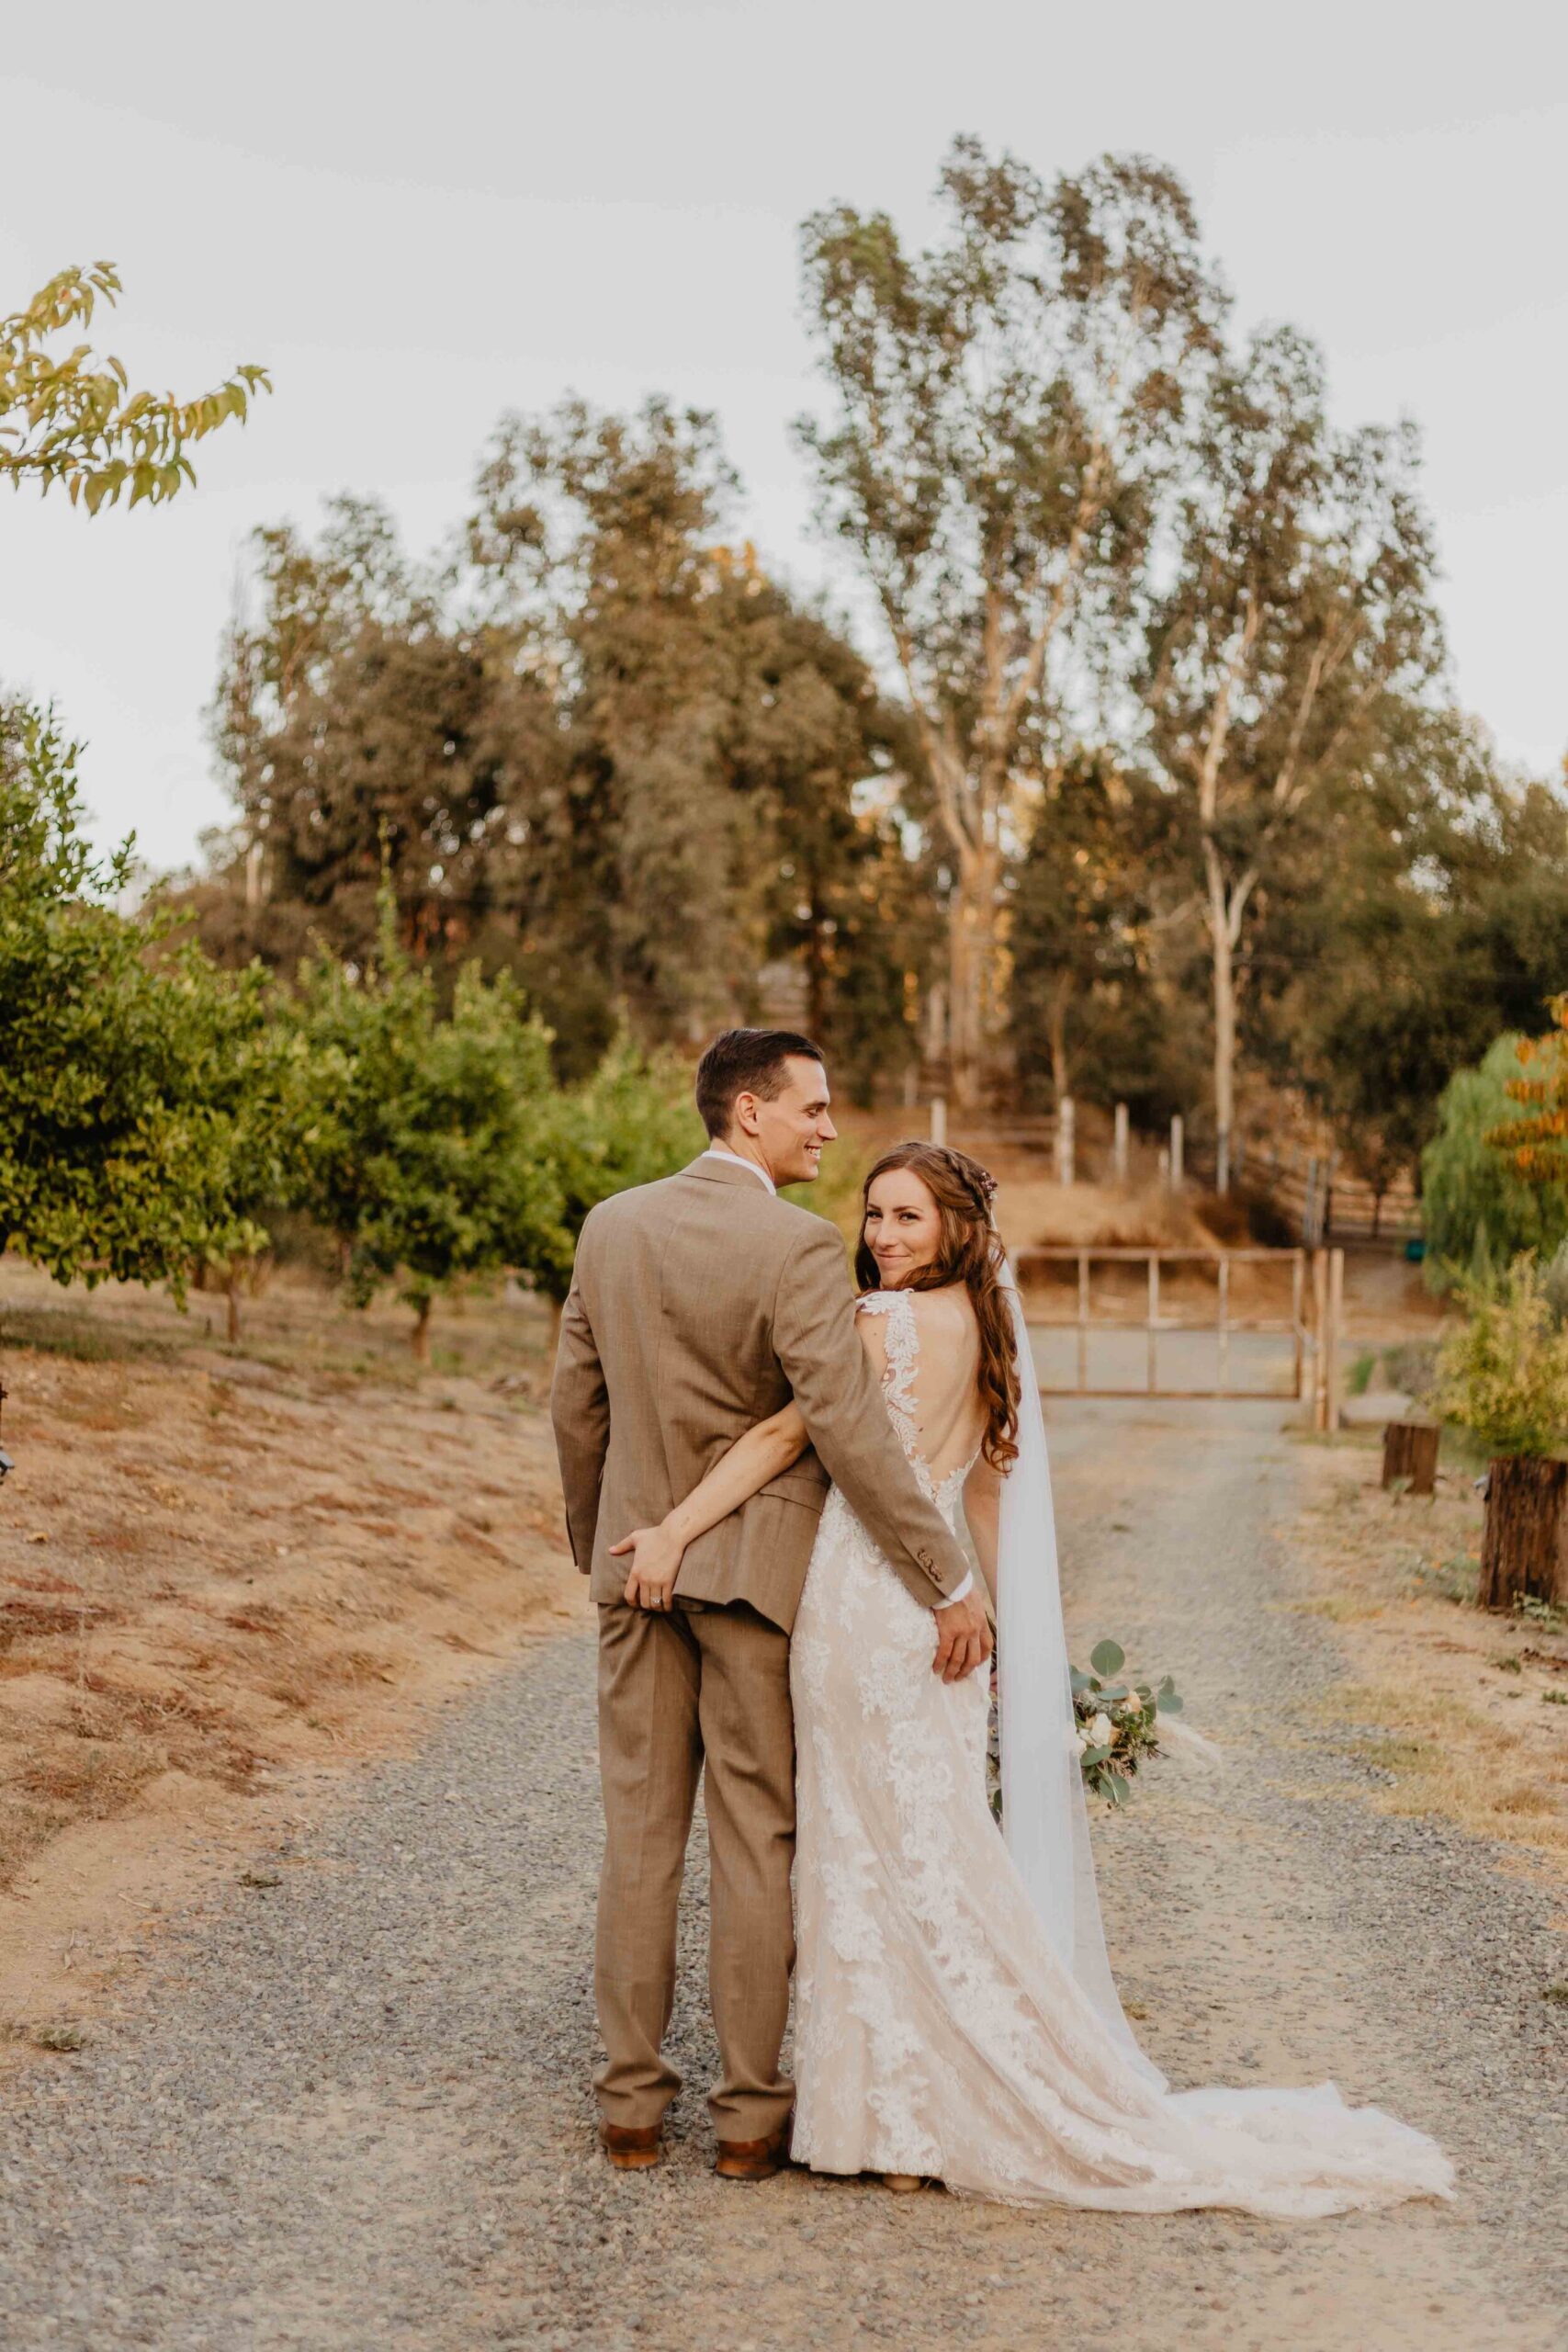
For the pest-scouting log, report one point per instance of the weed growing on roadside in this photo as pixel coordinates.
(1455, 1579)
(64, 2035)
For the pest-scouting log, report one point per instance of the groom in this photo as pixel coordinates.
(698, 1307)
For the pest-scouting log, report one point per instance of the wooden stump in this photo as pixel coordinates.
(1522, 1543)
(1410, 1450)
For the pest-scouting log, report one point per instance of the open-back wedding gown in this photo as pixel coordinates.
(937, 2032)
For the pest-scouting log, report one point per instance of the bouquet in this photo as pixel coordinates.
(1115, 1722)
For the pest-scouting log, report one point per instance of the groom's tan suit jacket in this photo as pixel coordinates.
(699, 1305)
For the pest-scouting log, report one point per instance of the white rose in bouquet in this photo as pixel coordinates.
(1102, 1731)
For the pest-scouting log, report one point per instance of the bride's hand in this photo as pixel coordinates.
(656, 1563)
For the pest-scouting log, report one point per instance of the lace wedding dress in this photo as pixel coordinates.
(935, 2031)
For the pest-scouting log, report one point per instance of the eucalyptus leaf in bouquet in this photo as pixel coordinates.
(1115, 1720)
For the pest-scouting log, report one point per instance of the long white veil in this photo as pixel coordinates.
(1044, 1814)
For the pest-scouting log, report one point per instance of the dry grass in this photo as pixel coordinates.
(1461, 1707)
(216, 1567)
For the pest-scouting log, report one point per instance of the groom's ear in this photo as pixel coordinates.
(743, 1113)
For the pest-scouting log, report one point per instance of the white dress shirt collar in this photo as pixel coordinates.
(722, 1151)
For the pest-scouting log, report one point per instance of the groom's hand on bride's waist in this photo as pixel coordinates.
(963, 1639)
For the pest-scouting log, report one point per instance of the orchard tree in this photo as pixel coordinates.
(428, 1141)
(115, 1147)
(117, 1059)
(1004, 406)
(71, 417)
(1298, 615)
(261, 1091)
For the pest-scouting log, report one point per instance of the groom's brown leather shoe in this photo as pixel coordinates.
(631, 2148)
(754, 2159)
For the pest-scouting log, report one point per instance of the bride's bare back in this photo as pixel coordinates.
(934, 1386)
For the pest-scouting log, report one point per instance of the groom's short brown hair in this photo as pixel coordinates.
(746, 1061)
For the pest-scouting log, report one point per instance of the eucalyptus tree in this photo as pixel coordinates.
(729, 775)
(71, 418)
(354, 719)
(597, 547)
(597, 746)
(1005, 405)
(1428, 913)
(1297, 618)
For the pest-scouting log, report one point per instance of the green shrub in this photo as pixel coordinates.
(428, 1142)
(1478, 1212)
(1503, 1374)
(124, 1067)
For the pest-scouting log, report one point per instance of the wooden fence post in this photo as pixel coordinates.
(1066, 1142)
(1334, 1377)
(939, 1118)
(1410, 1450)
(1177, 1170)
(1119, 1145)
(1319, 1339)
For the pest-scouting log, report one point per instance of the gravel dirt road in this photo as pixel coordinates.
(348, 2106)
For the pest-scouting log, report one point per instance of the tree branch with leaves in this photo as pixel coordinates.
(72, 418)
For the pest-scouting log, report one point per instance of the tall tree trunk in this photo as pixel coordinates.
(1223, 913)
(420, 1337)
(231, 1288)
(1522, 1541)
(972, 954)
(1225, 1047)
(1056, 1036)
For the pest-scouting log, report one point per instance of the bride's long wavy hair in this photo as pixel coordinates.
(968, 1251)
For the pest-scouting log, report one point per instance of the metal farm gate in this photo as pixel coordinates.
(1105, 1344)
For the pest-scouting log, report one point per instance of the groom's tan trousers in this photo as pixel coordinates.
(673, 1690)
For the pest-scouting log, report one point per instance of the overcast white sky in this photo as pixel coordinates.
(418, 215)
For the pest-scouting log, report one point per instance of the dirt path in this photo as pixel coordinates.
(349, 2108)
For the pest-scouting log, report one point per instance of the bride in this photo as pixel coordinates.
(956, 2018)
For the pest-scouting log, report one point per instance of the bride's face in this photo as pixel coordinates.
(902, 1227)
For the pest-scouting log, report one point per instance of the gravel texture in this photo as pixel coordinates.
(351, 2109)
